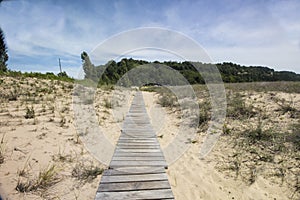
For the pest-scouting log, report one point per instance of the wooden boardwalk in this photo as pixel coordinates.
(137, 169)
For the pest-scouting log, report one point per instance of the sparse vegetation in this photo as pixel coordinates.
(286, 106)
(2, 150)
(46, 178)
(294, 135)
(38, 75)
(43, 102)
(13, 96)
(167, 100)
(260, 144)
(62, 121)
(86, 171)
(280, 86)
(62, 157)
(205, 113)
(238, 109)
(257, 133)
(107, 103)
(29, 113)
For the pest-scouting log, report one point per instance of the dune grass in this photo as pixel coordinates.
(46, 178)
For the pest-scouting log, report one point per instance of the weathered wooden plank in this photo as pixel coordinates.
(133, 186)
(134, 170)
(140, 131)
(133, 178)
(137, 130)
(143, 194)
(137, 111)
(115, 158)
(137, 150)
(137, 139)
(142, 154)
(144, 122)
(143, 118)
(137, 122)
(136, 145)
(138, 134)
(132, 142)
(124, 146)
(137, 127)
(116, 163)
(131, 135)
(137, 116)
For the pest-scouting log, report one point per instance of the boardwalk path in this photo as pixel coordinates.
(137, 169)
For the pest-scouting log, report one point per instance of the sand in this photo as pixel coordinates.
(51, 138)
(194, 178)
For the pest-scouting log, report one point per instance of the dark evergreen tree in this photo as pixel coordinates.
(3, 52)
(63, 74)
(88, 68)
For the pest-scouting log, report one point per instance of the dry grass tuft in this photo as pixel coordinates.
(46, 178)
(86, 172)
(2, 149)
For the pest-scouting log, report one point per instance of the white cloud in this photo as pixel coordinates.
(282, 58)
(240, 31)
(48, 27)
(156, 39)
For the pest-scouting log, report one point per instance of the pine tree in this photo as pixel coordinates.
(88, 68)
(3, 53)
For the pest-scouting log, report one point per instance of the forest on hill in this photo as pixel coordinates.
(113, 71)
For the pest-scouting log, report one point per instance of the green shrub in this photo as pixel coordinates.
(13, 96)
(29, 113)
(258, 133)
(167, 100)
(86, 172)
(294, 135)
(204, 112)
(287, 107)
(238, 109)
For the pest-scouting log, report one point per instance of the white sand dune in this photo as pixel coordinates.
(51, 138)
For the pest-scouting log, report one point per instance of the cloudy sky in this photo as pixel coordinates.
(252, 32)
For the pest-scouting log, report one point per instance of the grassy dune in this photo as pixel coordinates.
(42, 155)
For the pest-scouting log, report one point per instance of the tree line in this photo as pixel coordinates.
(113, 71)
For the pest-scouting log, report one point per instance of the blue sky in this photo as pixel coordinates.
(252, 32)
